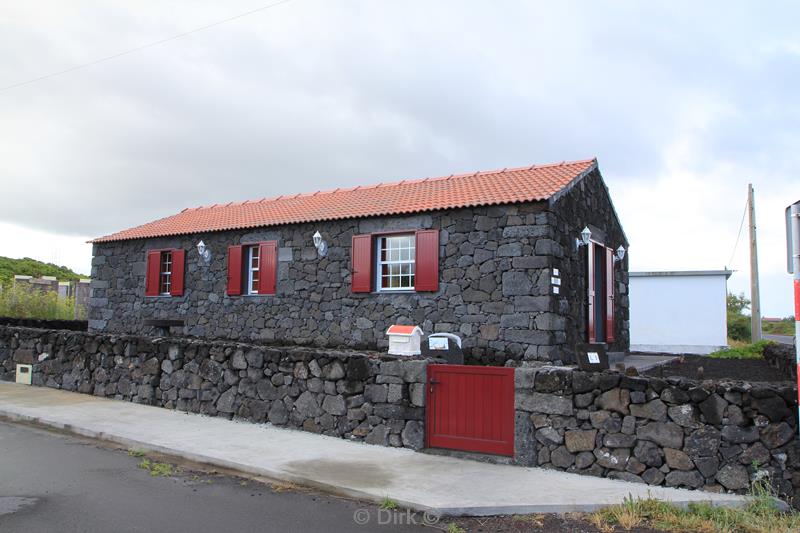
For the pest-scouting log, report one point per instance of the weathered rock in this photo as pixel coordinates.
(757, 454)
(580, 440)
(654, 410)
(649, 454)
(238, 360)
(619, 440)
(413, 435)
(616, 459)
(307, 406)
(740, 435)
(226, 401)
(278, 414)
(677, 478)
(713, 408)
(551, 404)
(584, 460)
(773, 407)
(615, 400)
(379, 435)
(561, 457)
(549, 436)
(334, 405)
(664, 434)
(653, 476)
(733, 477)
(677, 460)
(685, 415)
(703, 442)
(776, 435)
(707, 466)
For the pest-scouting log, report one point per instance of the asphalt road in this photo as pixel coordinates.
(55, 482)
(783, 339)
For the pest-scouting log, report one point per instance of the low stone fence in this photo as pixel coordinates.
(782, 357)
(706, 435)
(72, 325)
(354, 395)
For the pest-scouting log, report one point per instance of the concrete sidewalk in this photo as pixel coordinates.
(443, 485)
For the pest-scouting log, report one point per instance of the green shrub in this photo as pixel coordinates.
(23, 302)
(748, 351)
(738, 323)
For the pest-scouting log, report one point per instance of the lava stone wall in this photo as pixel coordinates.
(675, 432)
(358, 396)
(494, 269)
(588, 203)
(782, 357)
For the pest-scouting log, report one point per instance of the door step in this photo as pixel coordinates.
(471, 456)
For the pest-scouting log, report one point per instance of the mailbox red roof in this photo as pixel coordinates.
(507, 186)
(402, 330)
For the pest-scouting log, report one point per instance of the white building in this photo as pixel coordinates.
(679, 312)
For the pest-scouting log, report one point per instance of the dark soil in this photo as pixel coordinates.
(700, 367)
(539, 523)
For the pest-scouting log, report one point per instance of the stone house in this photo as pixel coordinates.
(491, 256)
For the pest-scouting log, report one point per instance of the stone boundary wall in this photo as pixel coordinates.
(782, 357)
(358, 396)
(715, 436)
(72, 325)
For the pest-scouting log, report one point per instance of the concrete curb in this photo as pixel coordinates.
(512, 489)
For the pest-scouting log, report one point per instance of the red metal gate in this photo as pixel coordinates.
(470, 408)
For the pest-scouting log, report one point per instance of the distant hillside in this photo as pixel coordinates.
(31, 267)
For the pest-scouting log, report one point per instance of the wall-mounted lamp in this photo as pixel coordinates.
(586, 235)
(204, 252)
(320, 244)
(619, 255)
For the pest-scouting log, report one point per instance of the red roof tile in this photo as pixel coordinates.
(534, 183)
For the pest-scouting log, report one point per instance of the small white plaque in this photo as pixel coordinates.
(555, 281)
(594, 357)
(555, 272)
(556, 290)
(437, 343)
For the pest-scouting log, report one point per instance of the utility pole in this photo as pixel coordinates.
(755, 299)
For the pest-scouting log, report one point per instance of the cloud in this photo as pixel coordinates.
(683, 104)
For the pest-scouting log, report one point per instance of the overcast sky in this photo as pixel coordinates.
(683, 103)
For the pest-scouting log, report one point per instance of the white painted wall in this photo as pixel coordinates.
(678, 312)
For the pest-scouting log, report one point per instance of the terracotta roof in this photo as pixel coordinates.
(534, 183)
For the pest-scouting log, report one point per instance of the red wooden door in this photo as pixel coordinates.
(470, 408)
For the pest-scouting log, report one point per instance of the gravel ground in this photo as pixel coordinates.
(700, 367)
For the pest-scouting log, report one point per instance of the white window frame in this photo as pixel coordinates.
(409, 260)
(251, 270)
(165, 273)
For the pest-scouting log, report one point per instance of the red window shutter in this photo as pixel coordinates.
(153, 273)
(361, 257)
(268, 267)
(591, 334)
(178, 268)
(426, 270)
(609, 295)
(234, 270)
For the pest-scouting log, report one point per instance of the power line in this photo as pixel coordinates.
(142, 47)
(741, 225)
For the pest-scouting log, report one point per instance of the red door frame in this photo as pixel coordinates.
(470, 408)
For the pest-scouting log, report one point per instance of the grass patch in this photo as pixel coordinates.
(388, 504)
(760, 515)
(743, 351)
(452, 527)
(157, 469)
(136, 453)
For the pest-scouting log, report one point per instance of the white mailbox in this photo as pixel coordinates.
(24, 373)
(404, 340)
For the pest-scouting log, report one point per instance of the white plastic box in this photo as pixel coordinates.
(404, 340)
